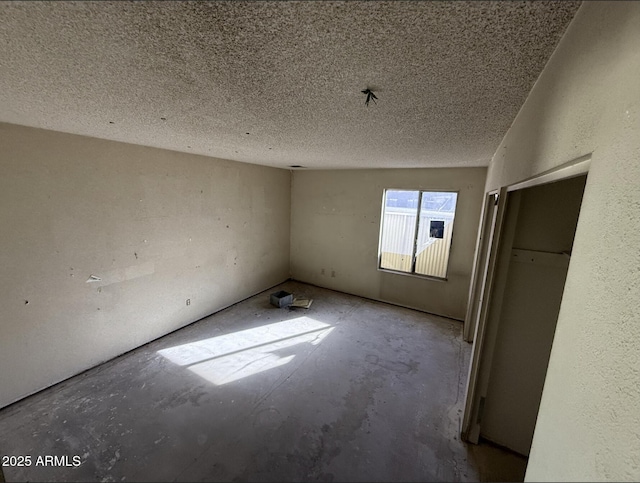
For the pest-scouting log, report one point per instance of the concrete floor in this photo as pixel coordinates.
(348, 390)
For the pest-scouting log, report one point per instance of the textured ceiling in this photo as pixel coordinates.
(278, 83)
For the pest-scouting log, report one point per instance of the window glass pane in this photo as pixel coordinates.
(434, 234)
(398, 230)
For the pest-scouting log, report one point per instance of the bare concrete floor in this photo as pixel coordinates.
(348, 390)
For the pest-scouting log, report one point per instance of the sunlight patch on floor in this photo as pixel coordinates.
(234, 356)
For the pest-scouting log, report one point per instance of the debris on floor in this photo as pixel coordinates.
(302, 302)
(281, 299)
(285, 299)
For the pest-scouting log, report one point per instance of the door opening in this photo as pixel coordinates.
(519, 287)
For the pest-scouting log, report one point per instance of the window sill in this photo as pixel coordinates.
(414, 275)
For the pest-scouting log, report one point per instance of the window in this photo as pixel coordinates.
(417, 244)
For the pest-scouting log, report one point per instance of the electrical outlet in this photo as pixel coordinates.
(188, 301)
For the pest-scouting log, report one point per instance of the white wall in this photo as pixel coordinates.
(158, 227)
(335, 228)
(588, 100)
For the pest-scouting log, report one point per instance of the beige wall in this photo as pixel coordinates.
(335, 228)
(158, 227)
(588, 100)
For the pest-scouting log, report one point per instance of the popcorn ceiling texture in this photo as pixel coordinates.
(278, 83)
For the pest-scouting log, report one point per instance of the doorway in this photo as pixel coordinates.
(526, 264)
